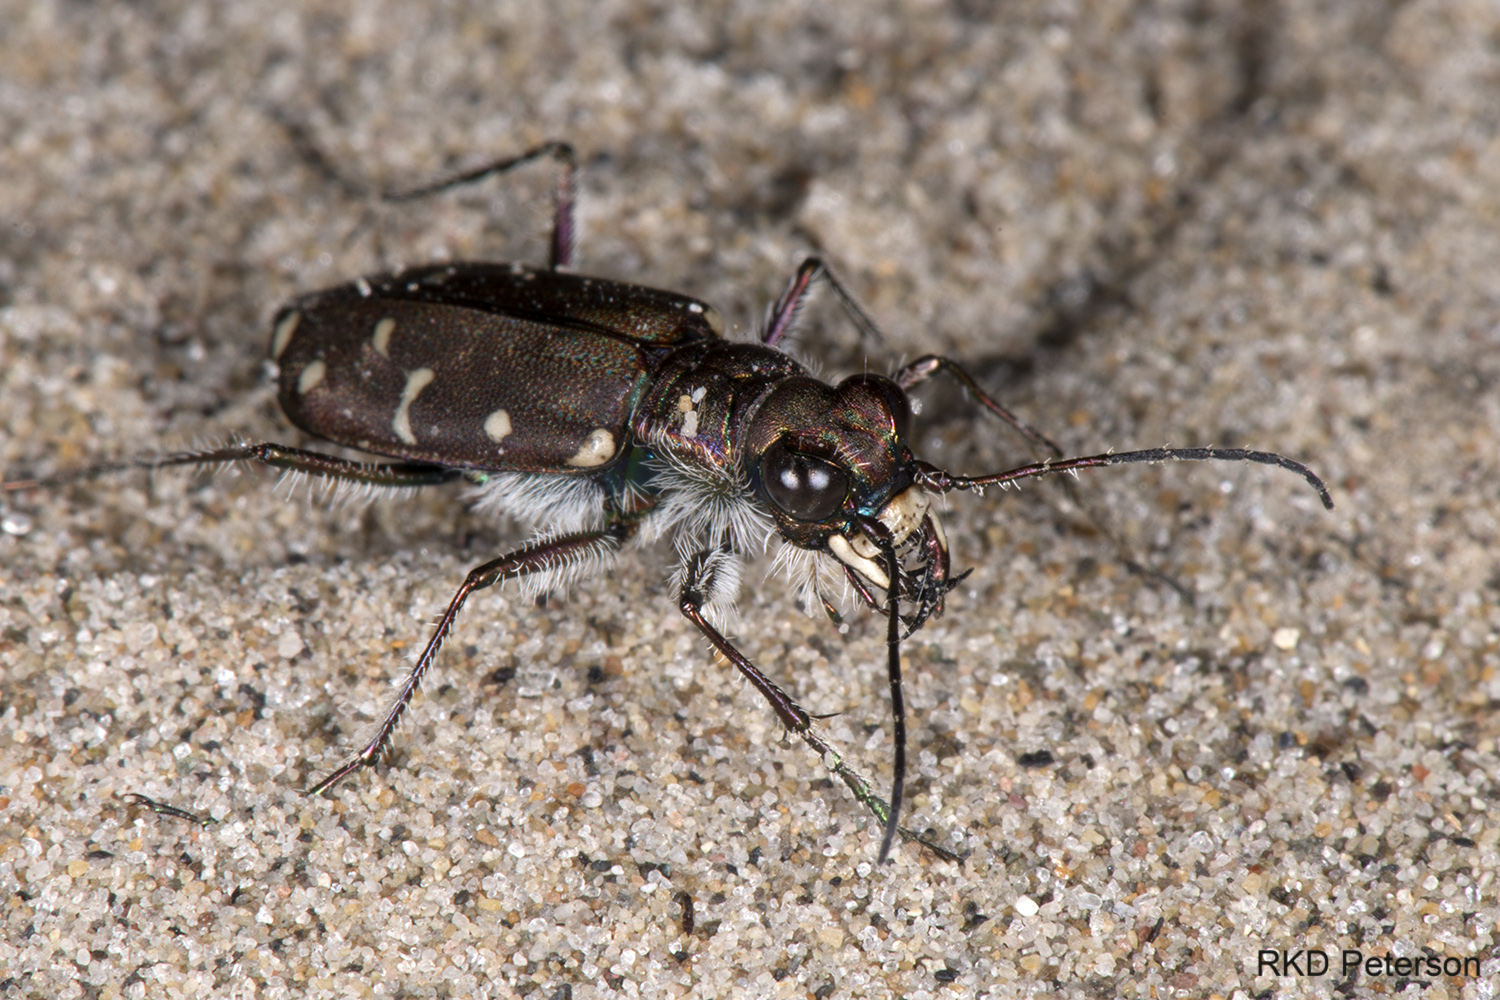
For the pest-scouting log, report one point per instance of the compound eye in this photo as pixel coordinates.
(801, 486)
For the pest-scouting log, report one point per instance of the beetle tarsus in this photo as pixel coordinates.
(397, 475)
(163, 809)
(560, 254)
(799, 722)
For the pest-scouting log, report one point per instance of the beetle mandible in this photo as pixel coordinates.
(667, 430)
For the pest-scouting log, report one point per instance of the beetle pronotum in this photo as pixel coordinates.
(667, 430)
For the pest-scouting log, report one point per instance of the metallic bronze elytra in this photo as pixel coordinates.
(606, 412)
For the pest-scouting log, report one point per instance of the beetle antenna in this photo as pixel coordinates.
(935, 479)
(898, 703)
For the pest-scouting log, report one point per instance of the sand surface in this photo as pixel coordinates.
(1242, 724)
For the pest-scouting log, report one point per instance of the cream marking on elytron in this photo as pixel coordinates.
(381, 340)
(497, 425)
(311, 377)
(283, 335)
(598, 449)
(689, 416)
(687, 405)
(401, 423)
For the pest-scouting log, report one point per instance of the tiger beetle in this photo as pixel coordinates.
(606, 413)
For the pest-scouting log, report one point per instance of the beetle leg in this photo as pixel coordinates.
(279, 456)
(563, 233)
(561, 254)
(925, 367)
(782, 318)
(697, 584)
(553, 554)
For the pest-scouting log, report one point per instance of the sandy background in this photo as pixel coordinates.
(1263, 224)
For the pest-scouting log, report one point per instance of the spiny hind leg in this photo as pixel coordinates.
(396, 475)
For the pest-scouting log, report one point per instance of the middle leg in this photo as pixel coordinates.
(539, 557)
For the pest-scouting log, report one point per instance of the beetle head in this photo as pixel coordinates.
(833, 466)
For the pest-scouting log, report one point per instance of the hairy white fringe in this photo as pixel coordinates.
(559, 577)
(553, 505)
(336, 493)
(720, 580)
(705, 507)
(812, 367)
(813, 576)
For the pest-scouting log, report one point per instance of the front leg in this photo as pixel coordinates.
(698, 584)
(698, 575)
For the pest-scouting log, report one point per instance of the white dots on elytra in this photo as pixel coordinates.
(689, 414)
(381, 340)
(415, 382)
(284, 331)
(497, 425)
(311, 377)
(598, 449)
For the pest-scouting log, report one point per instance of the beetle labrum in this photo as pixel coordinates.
(666, 430)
